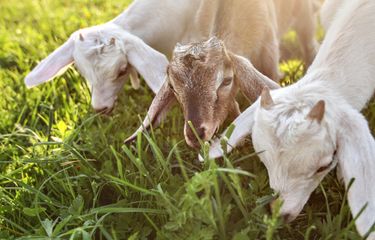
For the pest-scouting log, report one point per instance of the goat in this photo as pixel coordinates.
(200, 74)
(308, 128)
(106, 54)
(204, 78)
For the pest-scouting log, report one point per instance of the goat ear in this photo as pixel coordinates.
(317, 112)
(52, 65)
(356, 155)
(266, 100)
(249, 79)
(148, 62)
(160, 106)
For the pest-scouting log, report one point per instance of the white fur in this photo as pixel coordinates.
(296, 146)
(329, 10)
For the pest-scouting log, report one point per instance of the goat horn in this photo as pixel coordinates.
(112, 41)
(266, 100)
(81, 37)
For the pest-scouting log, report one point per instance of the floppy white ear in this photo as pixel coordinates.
(151, 64)
(53, 65)
(160, 106)
(250, 80)
(356, 159)
(243, 127)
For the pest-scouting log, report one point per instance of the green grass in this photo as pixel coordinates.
(65, 174)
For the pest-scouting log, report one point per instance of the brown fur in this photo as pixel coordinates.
(300, 15)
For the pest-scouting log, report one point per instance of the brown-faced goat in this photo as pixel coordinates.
(205, 78)
(201, 75)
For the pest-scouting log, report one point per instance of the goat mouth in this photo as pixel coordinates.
(105, 111)
(109, 111)
(193, 144)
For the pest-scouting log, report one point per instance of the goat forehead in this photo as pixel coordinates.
(96, 64)
(278, 126)
(289, 135)
(197, 76)
(294, 139)
(198, 48)
(96, 69)
(97, 51)
(197, 61)
(208, 53)
(98, 38)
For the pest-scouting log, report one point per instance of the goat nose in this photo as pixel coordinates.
(196, 132)
(194, 135)
(201, 132)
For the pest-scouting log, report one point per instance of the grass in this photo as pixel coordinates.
(65, 174)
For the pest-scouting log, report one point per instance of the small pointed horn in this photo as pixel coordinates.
(81, 37)
(266, 100)
(112, 41)
(178, 45)
(317, 112)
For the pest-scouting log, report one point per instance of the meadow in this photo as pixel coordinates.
(65, 173)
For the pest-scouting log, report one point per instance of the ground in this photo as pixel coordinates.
(65, 173)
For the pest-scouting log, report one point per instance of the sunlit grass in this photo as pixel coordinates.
(65, 174)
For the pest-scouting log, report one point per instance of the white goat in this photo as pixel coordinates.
(308, 128)
(106, 54)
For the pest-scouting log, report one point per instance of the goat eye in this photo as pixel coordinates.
(227, 81)
(171, 87)
(324, 168)
(122, 72)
